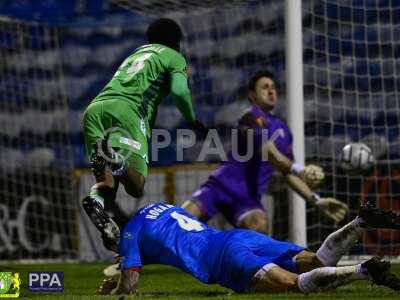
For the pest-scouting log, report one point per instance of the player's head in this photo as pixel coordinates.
(262, 90)
(165, 32)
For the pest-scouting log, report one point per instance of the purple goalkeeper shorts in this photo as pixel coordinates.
(212, 199)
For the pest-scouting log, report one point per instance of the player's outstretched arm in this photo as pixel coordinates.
(332, 208)
(276, 158)
(301, 181)
(182, 96)
(127, 283)
(183, 100)
(312, 175)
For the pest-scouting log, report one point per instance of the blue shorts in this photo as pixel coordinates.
(212, 199)
(244, 252)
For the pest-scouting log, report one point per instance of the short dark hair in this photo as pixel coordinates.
(251, 85)
(166, 32)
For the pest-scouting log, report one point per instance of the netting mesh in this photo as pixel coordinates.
(224, 45)
(157, 7)
(37, 205)
(351, 94)
(351, 74)
(351, 88)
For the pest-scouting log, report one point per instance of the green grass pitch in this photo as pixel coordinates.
(160, 282)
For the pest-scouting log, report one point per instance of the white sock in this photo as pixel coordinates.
(362, 272)
(264, 270)
(339, 242)
(327, 278)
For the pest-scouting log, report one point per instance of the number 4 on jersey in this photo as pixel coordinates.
(187, 223)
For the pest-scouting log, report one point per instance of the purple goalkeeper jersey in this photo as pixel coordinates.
(249, 179)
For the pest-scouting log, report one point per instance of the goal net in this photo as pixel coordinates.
(50, 73)
(351, 90)
(224, 44)
(37, 207)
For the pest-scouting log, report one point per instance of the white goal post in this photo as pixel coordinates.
(295, 111)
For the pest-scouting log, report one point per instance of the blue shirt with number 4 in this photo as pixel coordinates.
(165, 234)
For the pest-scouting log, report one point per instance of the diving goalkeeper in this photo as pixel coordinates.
(117, 124)
(235, 187)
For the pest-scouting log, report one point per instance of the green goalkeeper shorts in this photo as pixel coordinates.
(116, 121)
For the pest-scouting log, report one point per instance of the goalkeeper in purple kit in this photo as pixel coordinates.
(235, 188)
(117, 124)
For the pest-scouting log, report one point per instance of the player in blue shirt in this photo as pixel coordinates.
(236, 187)
(242, 260)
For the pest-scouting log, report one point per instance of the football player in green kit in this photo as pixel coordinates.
(117, 124)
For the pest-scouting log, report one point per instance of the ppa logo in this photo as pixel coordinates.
(46, 281)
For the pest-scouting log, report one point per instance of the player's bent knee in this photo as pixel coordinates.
(133, 190)
(261, 226)
(133, 183)
(307, 261)
(193, 208)
(255, 221)
(316, 261)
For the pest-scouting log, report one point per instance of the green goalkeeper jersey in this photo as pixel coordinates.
(144, 79)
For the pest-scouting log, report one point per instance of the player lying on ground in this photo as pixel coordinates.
(243, 260)
(118, 122)
(235, 188)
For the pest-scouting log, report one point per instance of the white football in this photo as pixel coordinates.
(356, 158)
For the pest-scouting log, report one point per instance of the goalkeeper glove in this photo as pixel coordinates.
(330, 207)
(312, 175)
